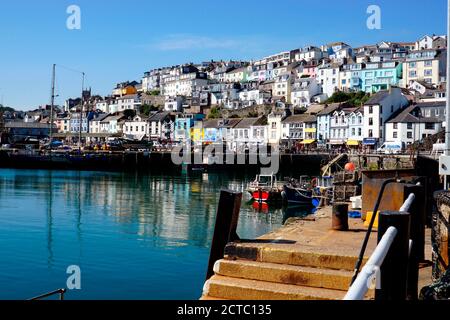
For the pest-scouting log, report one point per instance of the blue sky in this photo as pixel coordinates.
(119, 40)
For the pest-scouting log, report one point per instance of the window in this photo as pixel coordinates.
(370, 133)
(409, 135)
(412, 64)
(429, 126)
(428, 63)
(409, 126)
(274, 125)
(395, 125)
(428, 72)
(359, 132)
(370, 110)
(370, 121)
(395, 135)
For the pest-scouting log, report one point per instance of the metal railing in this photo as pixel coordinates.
(408, 203)
(359, 288)
(362, 283)
(60, 292)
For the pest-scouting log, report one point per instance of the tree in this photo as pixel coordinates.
(129, 113)
(3, 108)
(214, 113)
(146, 109)
(355, 99)
(153, 93)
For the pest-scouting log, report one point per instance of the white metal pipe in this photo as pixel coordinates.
(361, 285)
(407, 205)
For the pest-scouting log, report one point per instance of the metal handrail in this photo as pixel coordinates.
(369, 229)
(360, 286)
(408, 203)
(61, 293)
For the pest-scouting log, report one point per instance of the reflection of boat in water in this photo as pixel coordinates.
(261, 206)
(265, 188)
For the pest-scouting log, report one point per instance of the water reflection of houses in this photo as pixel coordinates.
(163, 211)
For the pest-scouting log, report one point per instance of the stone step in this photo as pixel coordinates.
(286, 255)
(286, 274)
(243, 289)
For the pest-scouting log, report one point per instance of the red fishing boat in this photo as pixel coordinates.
(265, 188)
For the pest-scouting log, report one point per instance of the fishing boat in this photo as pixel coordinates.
(298, 191)
(265, 188)
(307, 191)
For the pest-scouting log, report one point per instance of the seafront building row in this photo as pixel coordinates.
(280, 99)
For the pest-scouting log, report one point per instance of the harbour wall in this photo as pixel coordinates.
(304, 164)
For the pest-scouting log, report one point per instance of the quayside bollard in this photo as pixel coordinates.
(226, 225)
(340, 217)
(394, 270)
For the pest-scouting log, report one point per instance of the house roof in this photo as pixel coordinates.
(315, 108)
(248, 122)
(300, 118)
(213, 123)
(331, 108)
(160, 116)
(230, 123)
(431, 104)
(425, 84)
(406, 116)
(112, 118)
(377, 98)
(101, 117)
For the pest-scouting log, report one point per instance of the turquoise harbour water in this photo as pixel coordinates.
(133, 236)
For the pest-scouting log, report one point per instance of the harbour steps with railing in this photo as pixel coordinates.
(304, 260)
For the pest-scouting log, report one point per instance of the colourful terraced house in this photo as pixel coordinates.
(381, 75)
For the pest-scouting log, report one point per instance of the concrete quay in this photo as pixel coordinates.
(303, 260)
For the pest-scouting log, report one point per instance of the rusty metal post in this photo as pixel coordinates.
(340, 217)
(225, 229)
(417, 235)
(394, 271)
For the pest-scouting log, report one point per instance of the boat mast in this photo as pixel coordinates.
(81, 113)
(52, 104)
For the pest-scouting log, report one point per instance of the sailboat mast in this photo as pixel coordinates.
(52, 106)
(81, 112)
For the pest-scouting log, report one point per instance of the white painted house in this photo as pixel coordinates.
(137, 128)
(303, 90)
(328, 77)
(410, 126)
(377, 111)
(128, 102)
